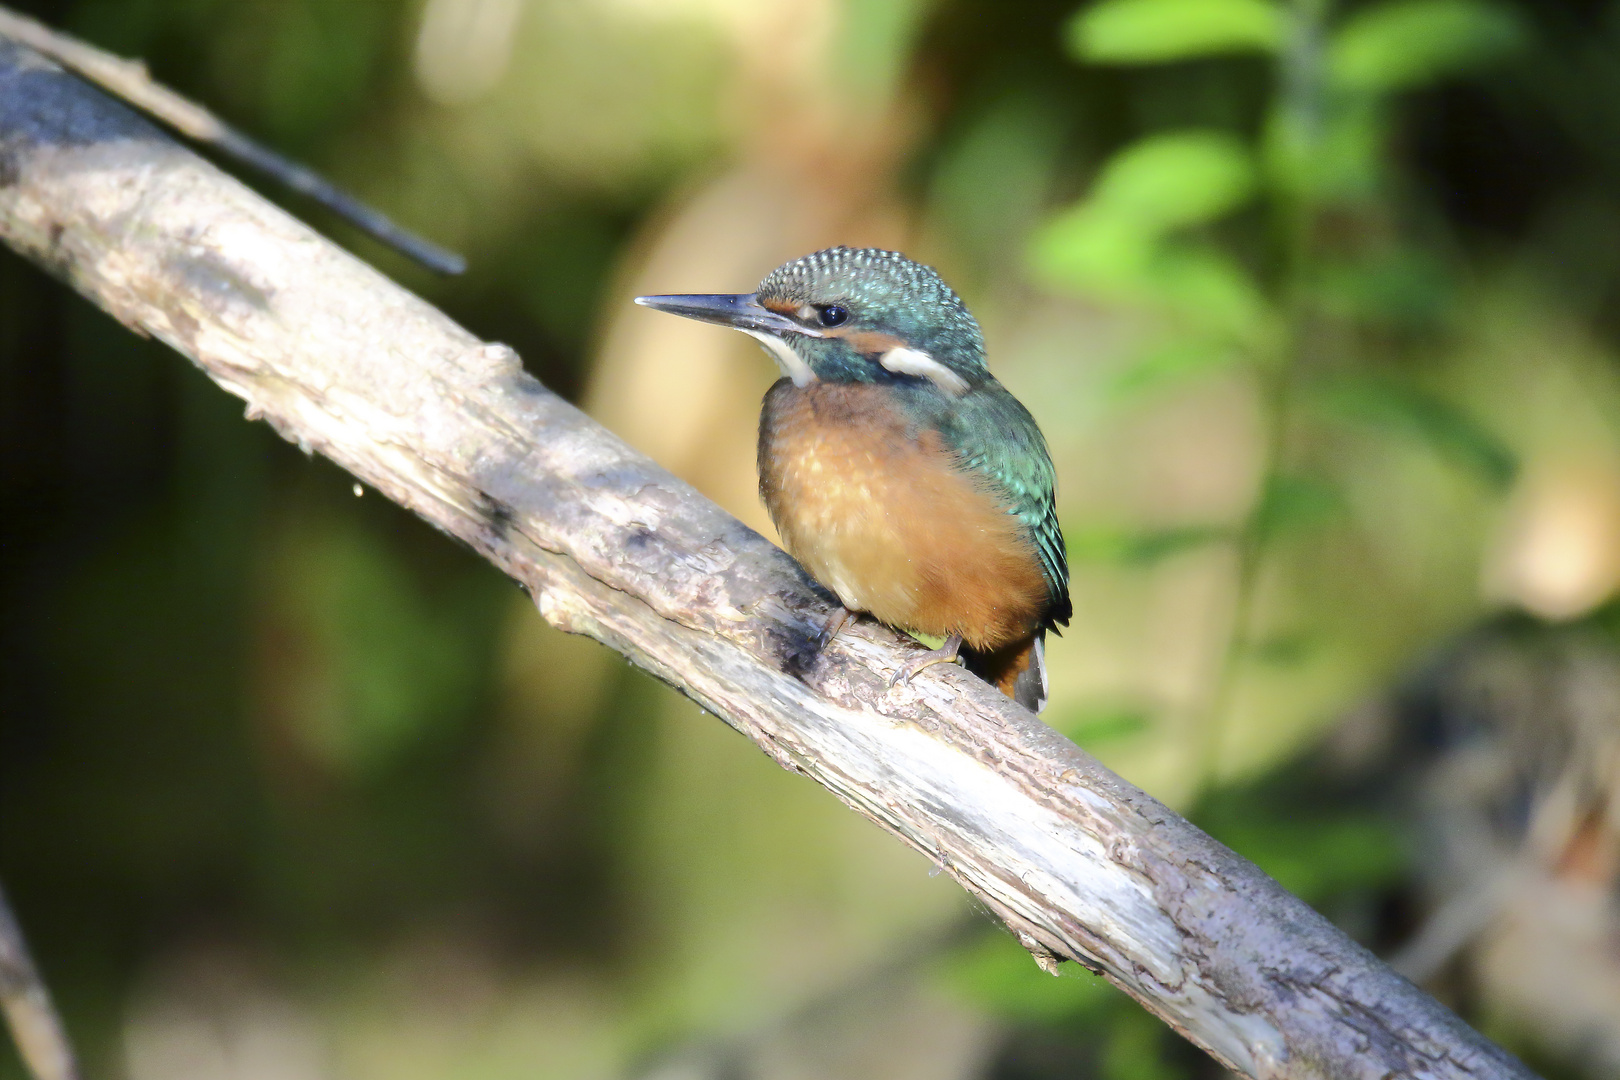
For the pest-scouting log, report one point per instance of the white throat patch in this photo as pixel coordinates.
(791, 363)
(903, 360)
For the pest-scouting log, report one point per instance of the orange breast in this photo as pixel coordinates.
(879, 514)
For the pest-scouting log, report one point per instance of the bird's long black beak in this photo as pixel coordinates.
(741, 311)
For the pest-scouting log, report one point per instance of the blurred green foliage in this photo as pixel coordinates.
(1122, 241)
(1404, 44)
(1271, 247)
(1414, 413)
(1154, 31)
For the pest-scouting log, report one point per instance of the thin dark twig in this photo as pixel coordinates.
(36, 1027)
(306, 181)
(130, 81)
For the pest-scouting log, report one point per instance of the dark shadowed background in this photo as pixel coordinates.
(1318, 305)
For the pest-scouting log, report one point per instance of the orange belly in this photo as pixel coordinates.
(879, 513)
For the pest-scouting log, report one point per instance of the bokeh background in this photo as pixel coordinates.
(1316, 303)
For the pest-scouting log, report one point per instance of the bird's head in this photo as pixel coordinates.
(852, 315)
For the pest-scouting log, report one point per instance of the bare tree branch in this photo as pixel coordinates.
(35, 1026)
(343, 362)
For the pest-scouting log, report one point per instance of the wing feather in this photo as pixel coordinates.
(994, 436)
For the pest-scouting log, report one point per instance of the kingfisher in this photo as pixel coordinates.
(898, 471)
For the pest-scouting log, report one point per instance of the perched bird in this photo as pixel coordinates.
(898, 471)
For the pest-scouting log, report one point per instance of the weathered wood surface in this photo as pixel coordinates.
(345, 363)
(31, 1016)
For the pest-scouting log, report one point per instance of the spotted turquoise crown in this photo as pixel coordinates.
(883, 292)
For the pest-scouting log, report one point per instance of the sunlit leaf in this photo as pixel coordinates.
(1177, 179)
(1090, 248)
(1401, 44)
(1447, 430)
(1151, 31)
(1116, 243)
(1112, 256)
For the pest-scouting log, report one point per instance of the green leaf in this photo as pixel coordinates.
(1402, 44)
(1448, 431)
(1176, 179)
(1115, 257)
(1117, 243)
(1094, 249)
(1152, 31)
(1290, 503)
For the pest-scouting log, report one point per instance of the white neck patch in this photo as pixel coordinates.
(903, 360)
(791, 363)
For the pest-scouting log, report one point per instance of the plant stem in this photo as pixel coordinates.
(1296, 135)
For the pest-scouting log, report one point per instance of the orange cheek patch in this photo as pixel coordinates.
(868, 342)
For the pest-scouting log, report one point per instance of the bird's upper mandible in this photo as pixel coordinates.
(852, 315)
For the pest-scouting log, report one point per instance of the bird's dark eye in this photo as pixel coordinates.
(832, 314)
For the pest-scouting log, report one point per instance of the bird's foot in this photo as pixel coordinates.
(945, 654)
(835, 623)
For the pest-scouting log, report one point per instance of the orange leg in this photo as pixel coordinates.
(834, 624)
(945, 654)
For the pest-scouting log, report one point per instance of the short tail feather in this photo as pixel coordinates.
(1017, 670)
